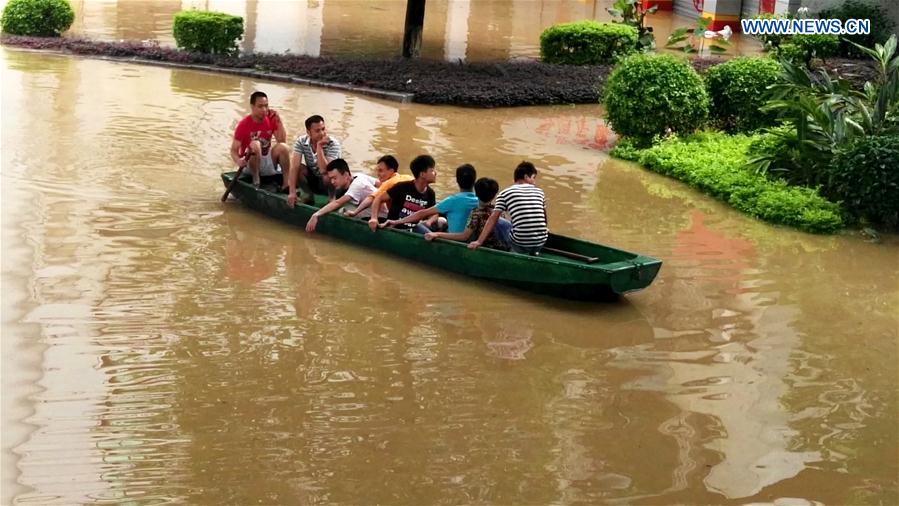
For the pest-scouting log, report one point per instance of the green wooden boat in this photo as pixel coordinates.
(567, 267)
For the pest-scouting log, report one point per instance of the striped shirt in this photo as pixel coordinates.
(526, 206)
(301, 146)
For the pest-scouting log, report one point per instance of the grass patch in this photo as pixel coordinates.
(715, 163)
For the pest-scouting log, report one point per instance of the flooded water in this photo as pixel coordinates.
(474, 30)
(159, 346)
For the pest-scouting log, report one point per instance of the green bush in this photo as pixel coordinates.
(816, 46)
(715, 163)
(881, 24)
(42, 18)
(865, 177)
(737, 91)
(587, 43)
(207, 32)
(653, 95)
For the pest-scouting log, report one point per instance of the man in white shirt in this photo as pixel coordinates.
(357, 188)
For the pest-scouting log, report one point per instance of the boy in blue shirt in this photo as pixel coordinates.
(457, 207)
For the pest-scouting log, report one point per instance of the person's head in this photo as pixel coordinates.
(315, 127)
(486, 189)
(526, 172)
(465, 176)
(424, 168)
(339, 174)
(259, 105)
(386, 167)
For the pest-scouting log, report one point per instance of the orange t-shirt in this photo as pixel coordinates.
(386, 185)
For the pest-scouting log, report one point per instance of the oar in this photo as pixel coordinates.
(569, 254)
(233, 182)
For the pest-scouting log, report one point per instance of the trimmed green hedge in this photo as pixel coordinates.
(653, 95)
(587, 43)
(738, 90)
(715, 163)
(41, 18)
(207, 32)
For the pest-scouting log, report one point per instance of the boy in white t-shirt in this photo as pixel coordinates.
(357, 188)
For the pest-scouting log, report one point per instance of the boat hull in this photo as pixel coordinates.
(615, 272)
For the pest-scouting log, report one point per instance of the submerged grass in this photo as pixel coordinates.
(715, 163)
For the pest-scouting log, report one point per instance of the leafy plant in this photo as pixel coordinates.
(825, 114)
(693, 40)
(654, 95)
(715, 163)
(42, 18)
(207, 32)
(633, 13)
(865, 177)
(587, 43)
(738, 89)
(805, 47)
(881, 25)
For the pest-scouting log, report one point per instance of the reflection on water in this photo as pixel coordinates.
(163, 347)
(476, 30)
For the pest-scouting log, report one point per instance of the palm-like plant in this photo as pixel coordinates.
(826, 114)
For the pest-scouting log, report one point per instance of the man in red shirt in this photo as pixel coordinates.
(262, 134)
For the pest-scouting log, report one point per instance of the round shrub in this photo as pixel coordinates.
(587, 43)
(738, 90)
(866, 179)
(42, 18)
(649, 95)
(207, 32)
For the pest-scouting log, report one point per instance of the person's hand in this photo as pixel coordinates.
(373, 224)
(473, 245)
(291, 198)
(388, 223)
(351, 213)
(430, 236)
(326, 139)
(242, 162)
(310, 225)
(274, 118)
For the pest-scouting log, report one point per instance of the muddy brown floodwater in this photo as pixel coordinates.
(159, 346)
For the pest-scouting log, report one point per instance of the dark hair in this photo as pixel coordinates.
(420, 164)
(255, 96)
(338, 164)
(486, 188)
(525, 169)
(311, 120)
(390, 162)
(465, 176)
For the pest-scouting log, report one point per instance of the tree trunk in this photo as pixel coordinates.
(415, 20)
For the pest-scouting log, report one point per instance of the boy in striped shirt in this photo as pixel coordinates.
(526, 206)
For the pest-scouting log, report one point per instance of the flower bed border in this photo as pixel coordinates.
(500, 84)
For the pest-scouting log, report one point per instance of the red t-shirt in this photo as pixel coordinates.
(248, 130)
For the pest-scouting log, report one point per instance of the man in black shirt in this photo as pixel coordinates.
(407, 198)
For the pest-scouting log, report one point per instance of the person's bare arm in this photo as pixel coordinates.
(280, 131)
(375, 205)
(330, 207)
(238, 160)
(415, 217)
(456, 236)
(320, 157)
(366, 202)
(292, 178)
(488, 229)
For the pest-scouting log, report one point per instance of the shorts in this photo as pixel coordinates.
(267, 165)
